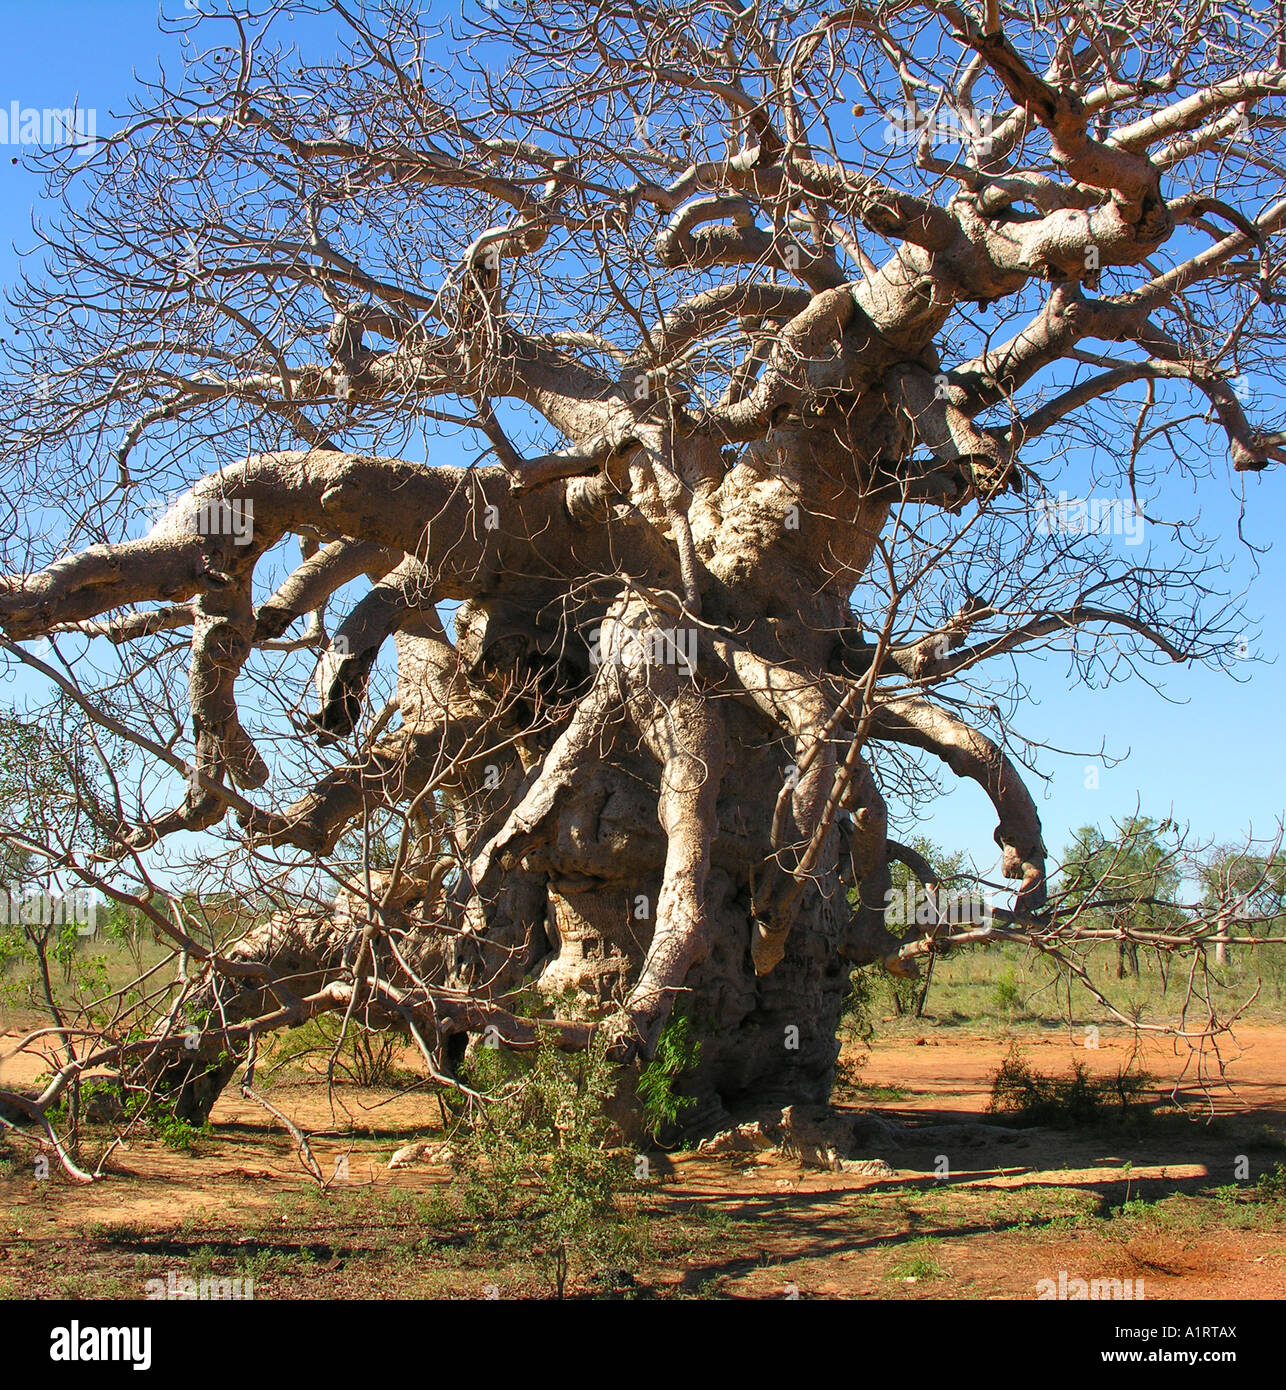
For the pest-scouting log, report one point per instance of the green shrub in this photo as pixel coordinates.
(677, 1052)
(538, 1174)
(918, 1262)
(872, 993)
(1007, 995)
(1030, 1097)
(366, 1057)
(178, 1134)
(1272, 1184)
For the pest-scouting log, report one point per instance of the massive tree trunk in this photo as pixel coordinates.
(640, 856)
(686, 819)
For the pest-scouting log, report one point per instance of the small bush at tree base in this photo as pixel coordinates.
(539, 1176)
(676, 1053)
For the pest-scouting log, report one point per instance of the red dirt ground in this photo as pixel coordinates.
(1005, 1218)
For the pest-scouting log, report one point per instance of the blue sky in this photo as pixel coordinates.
(1215, 760)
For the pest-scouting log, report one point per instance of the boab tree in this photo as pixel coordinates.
(766, 331)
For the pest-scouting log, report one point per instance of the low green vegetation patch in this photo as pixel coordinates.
(918, 1262)
(1025, 1096)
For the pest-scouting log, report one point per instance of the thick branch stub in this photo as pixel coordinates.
(969, 753)
(307, 589)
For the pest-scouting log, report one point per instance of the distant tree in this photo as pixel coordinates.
(53, 814)
(1244, 885)
(1124, 881)
(51, 809)
(943, 876)
(51, 792)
